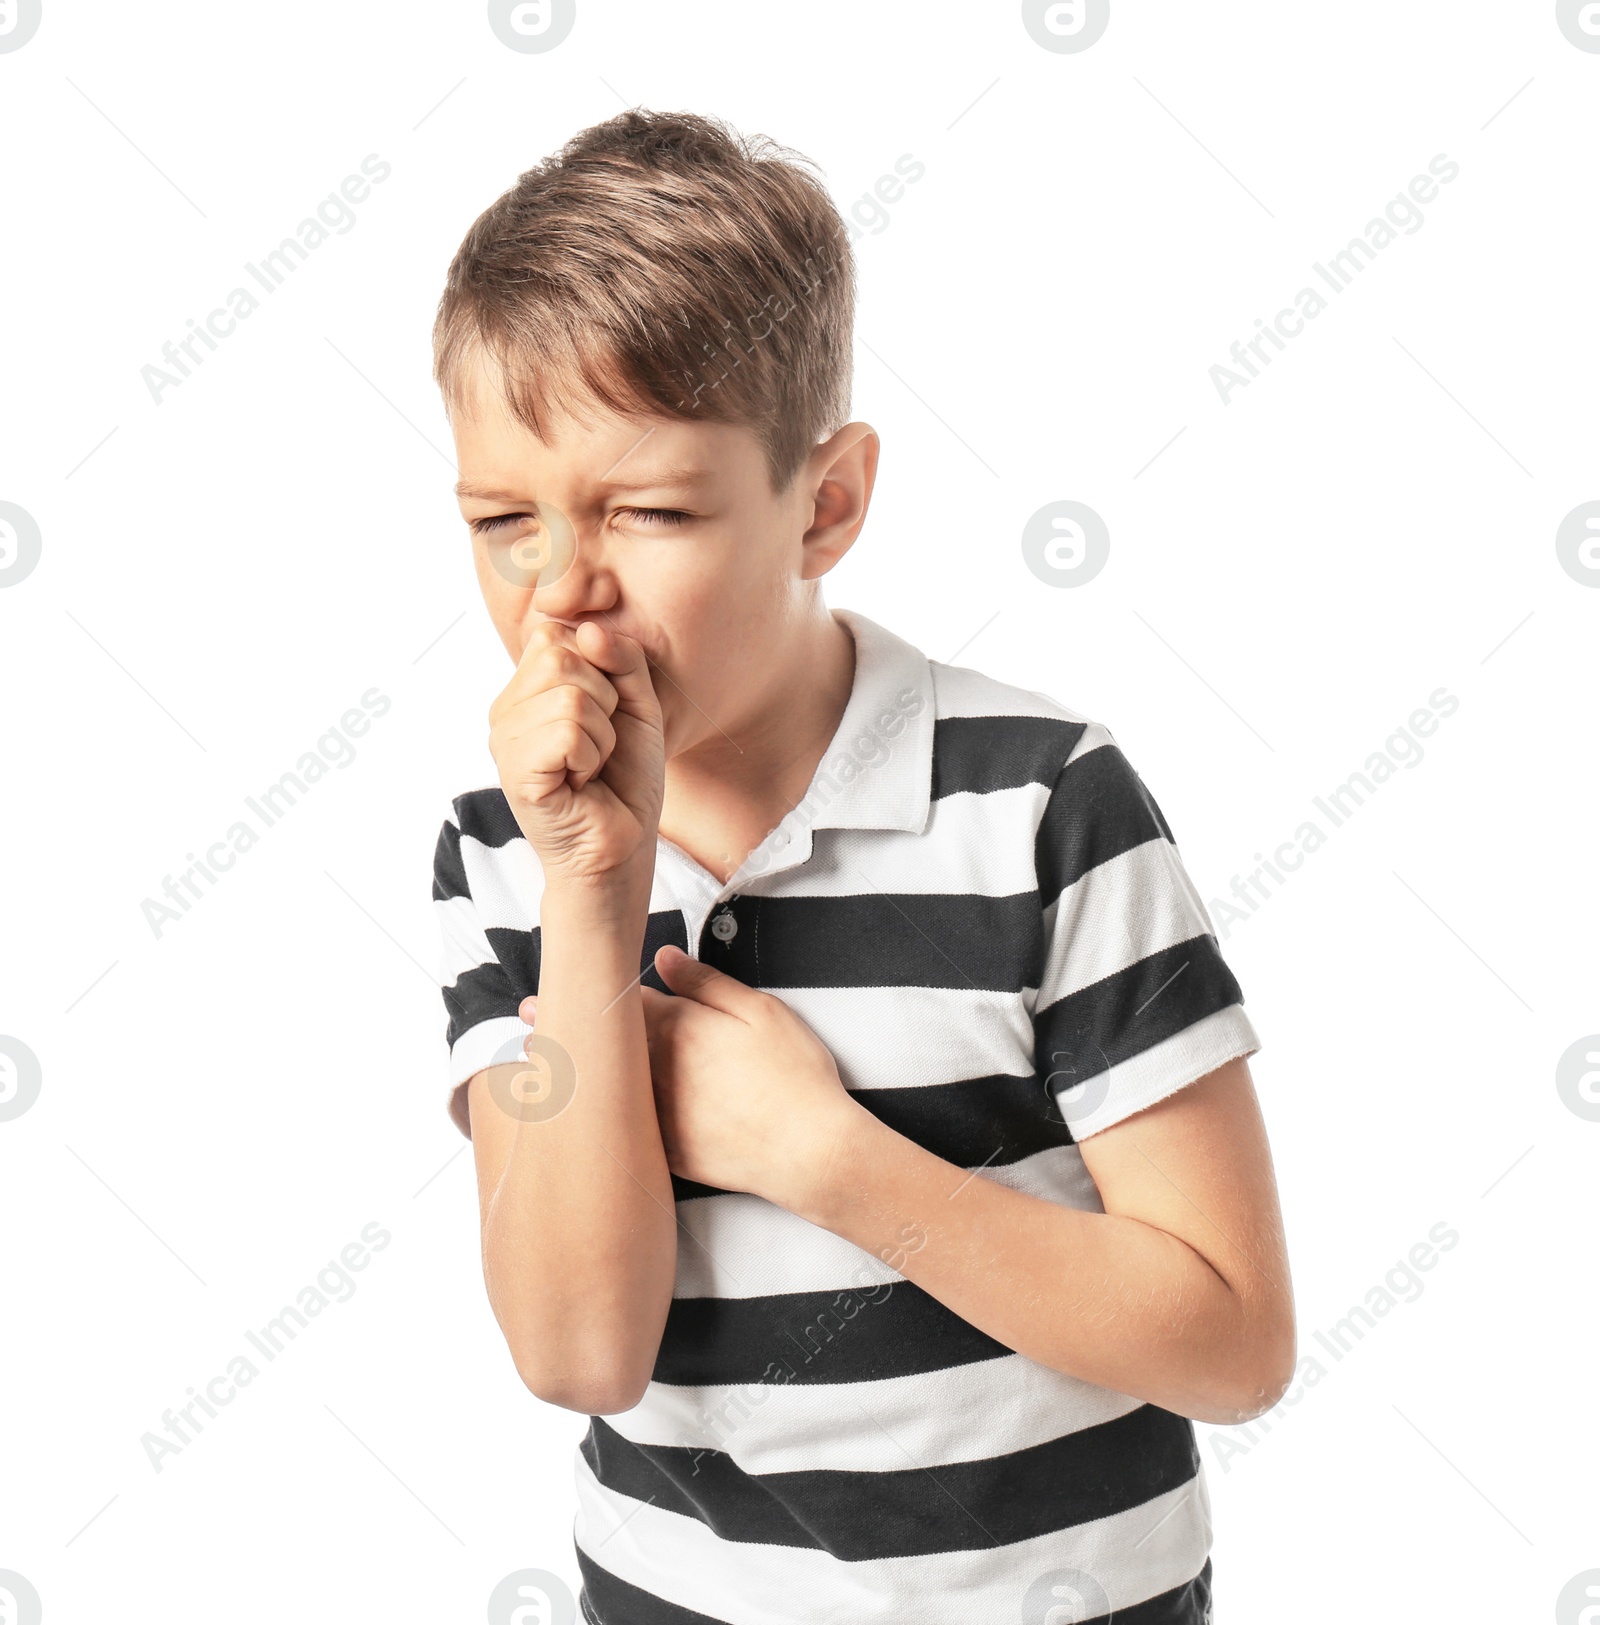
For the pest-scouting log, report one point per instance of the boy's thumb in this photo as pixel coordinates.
(694, 979)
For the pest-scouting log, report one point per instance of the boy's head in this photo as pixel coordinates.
(659, 296)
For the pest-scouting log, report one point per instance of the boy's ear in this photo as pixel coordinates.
(841, 473)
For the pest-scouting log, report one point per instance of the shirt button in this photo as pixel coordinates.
(724, 927)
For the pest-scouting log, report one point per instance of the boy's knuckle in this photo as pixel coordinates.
(570, 701)
(556, 663)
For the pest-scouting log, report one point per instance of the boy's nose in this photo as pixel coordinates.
(582, 591)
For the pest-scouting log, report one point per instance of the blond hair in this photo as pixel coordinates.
(667, 266)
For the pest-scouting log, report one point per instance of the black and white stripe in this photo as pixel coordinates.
(989, 926)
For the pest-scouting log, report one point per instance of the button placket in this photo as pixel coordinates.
(719, 932)
(698, 897)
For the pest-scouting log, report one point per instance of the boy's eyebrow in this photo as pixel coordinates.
(657, 477)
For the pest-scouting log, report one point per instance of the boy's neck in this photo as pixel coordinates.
(724, 796)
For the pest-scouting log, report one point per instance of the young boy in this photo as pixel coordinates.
(882, 1173)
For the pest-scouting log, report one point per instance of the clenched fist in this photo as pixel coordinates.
(577, 738)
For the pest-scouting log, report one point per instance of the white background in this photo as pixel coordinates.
(226, 1105)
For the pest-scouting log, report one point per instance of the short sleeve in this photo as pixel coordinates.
(484, 888)
(1134, 998)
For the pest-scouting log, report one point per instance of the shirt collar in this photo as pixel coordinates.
(877, 772)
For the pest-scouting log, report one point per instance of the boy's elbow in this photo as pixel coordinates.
(588, 1400)
(1258, 1383)
(593, 1392)
(1247, 1403)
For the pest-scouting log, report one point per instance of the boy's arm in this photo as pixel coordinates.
(1177, 1294)
(578, 1223)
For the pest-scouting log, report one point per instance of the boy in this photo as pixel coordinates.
(882, 1174)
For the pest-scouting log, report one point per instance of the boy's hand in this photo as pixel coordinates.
(747, 1096)
(576, 736)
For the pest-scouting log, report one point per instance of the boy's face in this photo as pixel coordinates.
(666, 531)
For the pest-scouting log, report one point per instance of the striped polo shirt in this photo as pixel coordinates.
(980, 910)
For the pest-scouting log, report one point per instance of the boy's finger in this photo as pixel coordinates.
(658, 1006)
(705, 984)
(622, 660)
(529, 1008)
(531, 678)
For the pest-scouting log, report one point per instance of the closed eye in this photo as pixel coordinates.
(482, 527)
(660, 516)
(654, 516)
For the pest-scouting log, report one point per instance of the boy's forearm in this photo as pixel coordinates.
(580, 1240)
(1105, 1298)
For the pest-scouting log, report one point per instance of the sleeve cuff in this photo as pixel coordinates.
(1161, 1070)
(489, 1043)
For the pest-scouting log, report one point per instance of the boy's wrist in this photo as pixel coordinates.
(826, 1186)
(621, 898)
(592, 937)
